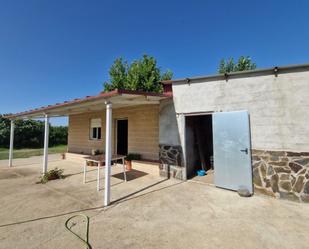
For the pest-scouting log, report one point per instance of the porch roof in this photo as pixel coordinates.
(119, 98)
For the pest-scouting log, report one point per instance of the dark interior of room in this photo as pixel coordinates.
(199, 144)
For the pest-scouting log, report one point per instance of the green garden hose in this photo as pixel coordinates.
(85, 241)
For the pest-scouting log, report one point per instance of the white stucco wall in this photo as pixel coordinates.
(278, 106)
(169, 131)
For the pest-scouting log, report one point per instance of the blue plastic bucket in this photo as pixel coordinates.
(201, 172)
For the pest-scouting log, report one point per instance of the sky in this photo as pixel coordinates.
(57, 50)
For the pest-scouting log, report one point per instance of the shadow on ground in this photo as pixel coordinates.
(113, 204)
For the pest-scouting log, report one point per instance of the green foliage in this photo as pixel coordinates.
(140, 75)
(30, 134)
(118, 75)
(58, 135)
(52, 174)
(133, 156)
(97, 152)
(243, 64)
(4, 131)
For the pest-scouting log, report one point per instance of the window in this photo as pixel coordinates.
(95, 128)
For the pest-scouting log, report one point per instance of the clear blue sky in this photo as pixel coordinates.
(55, 50)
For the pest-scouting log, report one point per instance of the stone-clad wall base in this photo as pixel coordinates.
(173, 171)
(171, 162)
(281, 174)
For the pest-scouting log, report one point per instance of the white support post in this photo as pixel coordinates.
(11, 144)
(98, 177)
(108, 152)
(85, 171)
(124, 170)
(46, 135)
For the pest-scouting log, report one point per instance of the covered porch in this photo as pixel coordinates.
(89, 117)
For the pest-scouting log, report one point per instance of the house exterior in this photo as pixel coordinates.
(277, 100)
(257, 129)
(142, 136)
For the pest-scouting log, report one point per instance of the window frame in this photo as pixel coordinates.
(95, 130)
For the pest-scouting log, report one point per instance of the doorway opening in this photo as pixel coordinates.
(199, 147)
(122, 137)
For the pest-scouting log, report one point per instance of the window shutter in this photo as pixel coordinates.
(95, 122)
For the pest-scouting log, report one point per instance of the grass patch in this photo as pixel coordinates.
(24, 153)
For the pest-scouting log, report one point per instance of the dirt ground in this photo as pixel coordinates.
(147, 212)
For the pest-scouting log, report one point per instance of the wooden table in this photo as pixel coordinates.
(99, 160)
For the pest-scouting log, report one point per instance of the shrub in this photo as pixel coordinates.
(96, 152)
(52, 174)
(133, 156)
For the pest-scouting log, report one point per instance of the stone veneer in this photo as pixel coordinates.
(171, 162)
(281, 174)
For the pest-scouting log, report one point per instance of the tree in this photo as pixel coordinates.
(58, 135)
(243, 64)
(4, 131)
(140, 75)
(30, 133)
(118, 75)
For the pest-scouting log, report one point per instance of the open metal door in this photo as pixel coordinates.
(232, 150)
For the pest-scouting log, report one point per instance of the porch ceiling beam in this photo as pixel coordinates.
(77, 105)
(83, 106)
(68, 108)
(135, 102)
(138, 99)
(134, 97)
(62, 109)
(72, 111)
(117, 104)
(141, 97)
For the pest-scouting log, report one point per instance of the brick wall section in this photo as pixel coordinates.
(143, 131)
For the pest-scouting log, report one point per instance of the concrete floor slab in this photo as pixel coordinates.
(147, 212)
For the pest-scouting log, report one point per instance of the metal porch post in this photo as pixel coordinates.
(108, 152)
(46, 136)
(11, 144)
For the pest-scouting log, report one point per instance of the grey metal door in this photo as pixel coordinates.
(232, 150)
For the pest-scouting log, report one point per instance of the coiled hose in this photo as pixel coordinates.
(84, 241)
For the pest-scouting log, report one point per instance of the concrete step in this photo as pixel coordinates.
(146, 166)
(75, 157)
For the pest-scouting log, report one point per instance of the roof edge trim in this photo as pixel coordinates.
(275, 70)
(86, 99)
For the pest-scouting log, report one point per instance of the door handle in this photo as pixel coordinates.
(245, 150)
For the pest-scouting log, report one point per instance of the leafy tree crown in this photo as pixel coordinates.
(141, 75)
(243, 64)
(30, 133)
